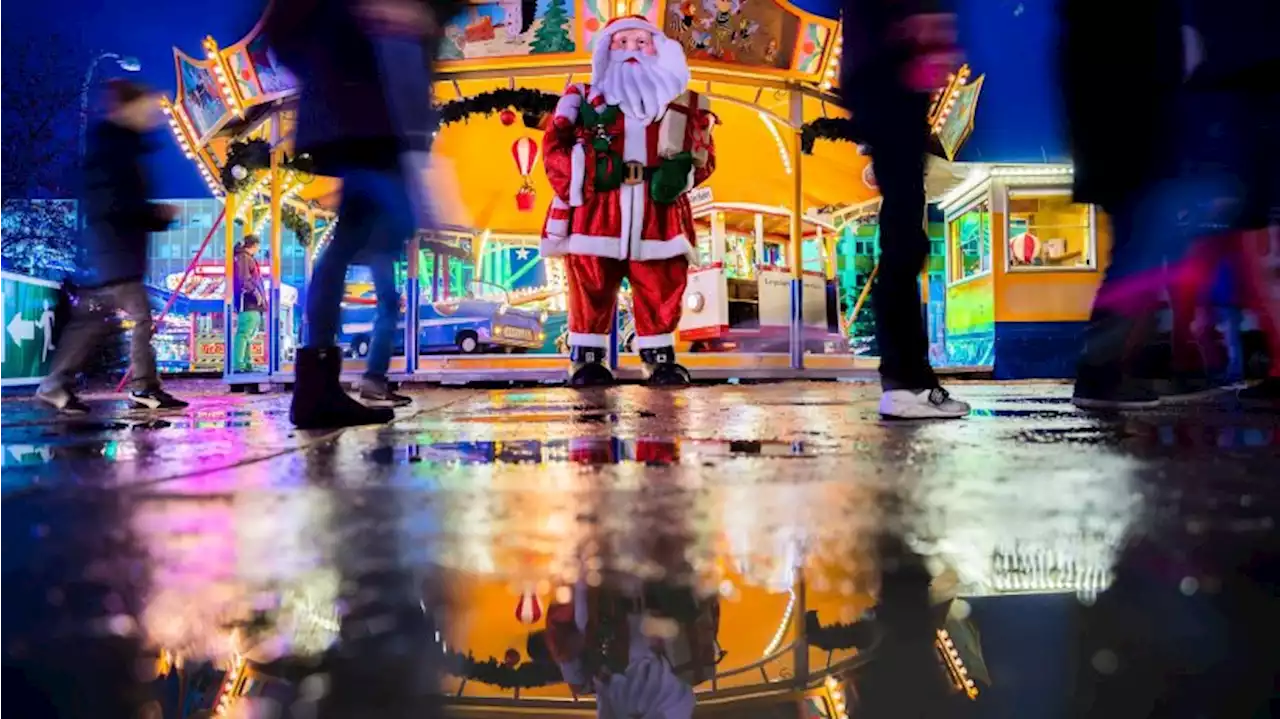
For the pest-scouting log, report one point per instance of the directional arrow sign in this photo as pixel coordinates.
(21, 329)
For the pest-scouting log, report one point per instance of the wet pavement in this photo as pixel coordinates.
(776, 547)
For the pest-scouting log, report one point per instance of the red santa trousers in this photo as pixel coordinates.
(657, 294)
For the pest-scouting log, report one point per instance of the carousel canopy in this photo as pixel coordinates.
(748, 58)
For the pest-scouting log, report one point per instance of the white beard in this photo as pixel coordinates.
(643, 89)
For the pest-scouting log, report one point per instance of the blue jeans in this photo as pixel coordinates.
(376, 219)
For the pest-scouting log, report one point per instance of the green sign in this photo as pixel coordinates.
(29, 305)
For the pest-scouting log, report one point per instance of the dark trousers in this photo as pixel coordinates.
(1152, 231)
(91, 324)
(377, 220)
(894, 124)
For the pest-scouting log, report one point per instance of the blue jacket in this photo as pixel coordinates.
(119, 218)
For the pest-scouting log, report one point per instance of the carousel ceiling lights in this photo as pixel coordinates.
(783, 155)
(833, 64)
(220, 72)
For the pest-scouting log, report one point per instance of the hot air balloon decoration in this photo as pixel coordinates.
(529, 608)
(525, 152)
(1024, 248)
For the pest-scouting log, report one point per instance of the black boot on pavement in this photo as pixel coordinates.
(320, 402)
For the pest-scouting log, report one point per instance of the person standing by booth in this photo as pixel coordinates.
(251, 300)
(896, 53)
(364, 116)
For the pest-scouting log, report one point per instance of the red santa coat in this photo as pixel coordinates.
(625, 223)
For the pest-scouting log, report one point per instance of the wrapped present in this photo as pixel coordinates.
(686, 127)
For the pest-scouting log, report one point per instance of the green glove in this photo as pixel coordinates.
(671, 178)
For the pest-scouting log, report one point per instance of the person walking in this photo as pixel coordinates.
(1127, 164)
(375, 388)
(251, 301)
(1233, 56)
(896, 53)
(119, 219)
(364, 116)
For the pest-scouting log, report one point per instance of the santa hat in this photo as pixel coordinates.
(600, 55)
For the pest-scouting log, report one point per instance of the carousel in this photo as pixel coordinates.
(481, 304)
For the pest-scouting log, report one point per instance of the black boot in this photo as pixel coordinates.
(588, 368)
(1103, 379)
(661, 370)
(319, 402)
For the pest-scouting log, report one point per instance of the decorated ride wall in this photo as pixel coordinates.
(766, 37)
(771, 36)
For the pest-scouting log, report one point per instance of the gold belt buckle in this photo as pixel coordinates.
(634, 173)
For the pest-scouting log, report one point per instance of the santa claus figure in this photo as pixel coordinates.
(622, 154)
(599, 640)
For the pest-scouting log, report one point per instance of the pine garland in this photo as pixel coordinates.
(492, 672)
(533, 105)
(252, 155)
(296, 221)
(836, 129)
(830, 637)
(255, 155)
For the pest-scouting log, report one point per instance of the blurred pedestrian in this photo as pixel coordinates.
(119, 220)
(251, 301)
(364, 116)
(1126, 162)
(1232, 60)
(896, 54)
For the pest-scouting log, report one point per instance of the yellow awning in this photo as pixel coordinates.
(752, 159)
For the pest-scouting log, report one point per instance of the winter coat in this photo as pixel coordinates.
(251, 293)
(366, 94)
(1121, 67)
(873, 59)
(118, 216)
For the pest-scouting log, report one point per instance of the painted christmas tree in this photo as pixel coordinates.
(553, 34)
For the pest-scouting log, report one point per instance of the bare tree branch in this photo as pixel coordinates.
(40, 119)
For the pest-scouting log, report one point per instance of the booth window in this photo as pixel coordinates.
(1047, 231)
(970, 236)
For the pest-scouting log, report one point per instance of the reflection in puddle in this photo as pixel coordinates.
(595, 450)
(492, 553)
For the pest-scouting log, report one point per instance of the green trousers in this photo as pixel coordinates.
(247, 325)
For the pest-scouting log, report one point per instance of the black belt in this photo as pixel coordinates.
(633, 173)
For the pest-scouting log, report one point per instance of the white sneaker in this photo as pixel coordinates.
(921, 404)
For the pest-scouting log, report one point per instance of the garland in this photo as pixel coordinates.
(830, 637)
(836, 129)
(534, 105)
(527, 675)
(249, 156)
(296, 221)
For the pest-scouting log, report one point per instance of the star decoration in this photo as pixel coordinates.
(522, 254)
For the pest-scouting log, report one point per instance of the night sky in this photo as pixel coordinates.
(1010, 41)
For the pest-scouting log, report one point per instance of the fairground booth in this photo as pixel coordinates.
(480, 303)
